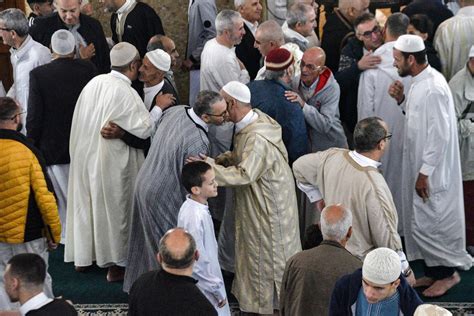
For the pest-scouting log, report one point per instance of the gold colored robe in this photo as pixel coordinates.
(266, 213)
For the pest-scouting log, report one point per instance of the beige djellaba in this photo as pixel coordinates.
(266, 213)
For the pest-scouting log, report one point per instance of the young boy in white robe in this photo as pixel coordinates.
(198, 179)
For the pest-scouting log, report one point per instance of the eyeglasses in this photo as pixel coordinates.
(375, 30)
(311, 66)
(14, 116)
(5, 29)
(387, 137)
(223, 114)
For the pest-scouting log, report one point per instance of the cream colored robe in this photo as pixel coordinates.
(103, 171)
(362, 189)
(266, 213)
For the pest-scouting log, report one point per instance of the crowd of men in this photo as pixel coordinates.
(359, 133)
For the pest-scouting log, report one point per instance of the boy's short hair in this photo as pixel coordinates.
(192, 174)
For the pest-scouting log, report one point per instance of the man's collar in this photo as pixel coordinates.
(252, 26)
(198, 120)
(363, 161)
(119, 75)
(246, 120)
(293, 34)
(125, 6)
(35, 302)
(20, 51)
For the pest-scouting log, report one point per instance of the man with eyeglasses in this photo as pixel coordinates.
(356, 57)
(28, 207)
(318, 96)
(25, 55)
(158, 193)
(353, 179)
(373, 100)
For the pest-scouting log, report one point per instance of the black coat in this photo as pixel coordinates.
(54, 90)
(140, 25)
(90, 30)
(248, 54)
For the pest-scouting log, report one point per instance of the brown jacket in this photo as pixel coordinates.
(310, 276)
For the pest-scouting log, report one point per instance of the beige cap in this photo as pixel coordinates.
(431, 310)
(63, 42)
(238, 91)
(410, 43)
(160, 59)
(122, 54)
(381, 266)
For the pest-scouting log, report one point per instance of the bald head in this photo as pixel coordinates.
(317, 55)
(177, 249)
(335, 222)
(352, 9)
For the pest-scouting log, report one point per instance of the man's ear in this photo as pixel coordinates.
(196, 255)
(196, 190)
(158, 257)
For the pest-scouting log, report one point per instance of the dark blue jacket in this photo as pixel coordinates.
(269, 97)
(345, 292)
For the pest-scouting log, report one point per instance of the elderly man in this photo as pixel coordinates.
(269, 36)
(375, 101)
(356, 57)
(90, 38)
(268, 95)
(322, 265)
(167, 44)
(39, 8)
(171, 290)
(300, 23)
(251, 11)
(338, 24)
(265, 202)
(378, 286)
(29, 212)
(103, 171)
(133, 22)
(363, 190)
(25, 55)
(201, 28)
(431, 152)
(25, 276)
(50, 110)
(319, 101)
(158, 195)
(462, 87)
(454, 38)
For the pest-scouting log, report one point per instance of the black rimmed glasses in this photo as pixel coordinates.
(387, 137)
(375, 30)
(14, 116)
(223, 114)
(311, 67)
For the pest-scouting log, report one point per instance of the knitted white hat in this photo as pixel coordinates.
(63, 42)
(381, 266)
(410, 43)
(238, 91)
(431, 310)
(122, 54)
(471, 52)
(160, 59)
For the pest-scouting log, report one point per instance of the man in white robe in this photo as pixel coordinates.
(25, 55)
(431, 170)
(454, 37)
(103, 171)
(374, 100)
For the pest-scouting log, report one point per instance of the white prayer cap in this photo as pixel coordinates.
(160, 59)
(238, 91)
(381, 266)
(431, 310)
(122, 54)
(471, 52)
(63, 42)
(410, 43)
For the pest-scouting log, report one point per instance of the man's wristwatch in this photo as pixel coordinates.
(407, 272)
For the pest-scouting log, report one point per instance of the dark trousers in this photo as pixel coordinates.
(468, 187)
(438, 272)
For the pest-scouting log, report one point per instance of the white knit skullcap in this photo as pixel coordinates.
(381, 266)
(63, 42)
(471, 52)
(122, 54)
(410, 43)
(431, 310)
(238, 91)
(160, 59)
